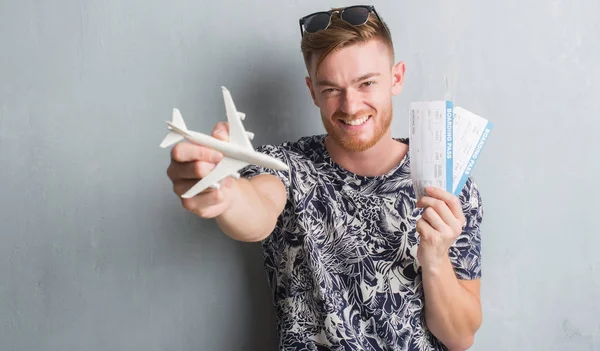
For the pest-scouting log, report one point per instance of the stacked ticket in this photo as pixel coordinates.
(445, 143)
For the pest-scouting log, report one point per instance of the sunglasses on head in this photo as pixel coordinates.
(355, 15)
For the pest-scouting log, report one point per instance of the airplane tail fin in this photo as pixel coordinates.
(173, 137)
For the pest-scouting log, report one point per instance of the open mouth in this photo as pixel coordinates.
(357, 121)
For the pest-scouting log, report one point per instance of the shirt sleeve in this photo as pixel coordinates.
(277, 152)
(465, 254)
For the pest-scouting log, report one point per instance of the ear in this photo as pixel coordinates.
(310, 88)
(397, 77)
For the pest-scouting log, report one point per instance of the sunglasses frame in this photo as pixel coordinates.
(370, 8)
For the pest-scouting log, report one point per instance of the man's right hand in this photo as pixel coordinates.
(189, 164)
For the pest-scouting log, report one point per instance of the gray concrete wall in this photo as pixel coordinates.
(96, 252)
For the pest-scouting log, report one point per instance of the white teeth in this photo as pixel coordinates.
(357, 122)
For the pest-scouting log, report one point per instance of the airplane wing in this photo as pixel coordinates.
(227, 167)
(237, 133)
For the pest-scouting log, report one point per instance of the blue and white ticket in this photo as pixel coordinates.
(445, 143)
(430, 150)
(470, 134)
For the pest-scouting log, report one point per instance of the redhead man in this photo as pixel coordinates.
(355, 261)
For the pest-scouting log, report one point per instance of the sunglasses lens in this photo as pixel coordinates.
(356, 15)
(316, 22)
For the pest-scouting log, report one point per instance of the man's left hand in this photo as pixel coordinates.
(439, 226)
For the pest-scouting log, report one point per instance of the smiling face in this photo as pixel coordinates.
(353, 88)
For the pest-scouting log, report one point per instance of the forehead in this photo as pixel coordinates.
(354, 60)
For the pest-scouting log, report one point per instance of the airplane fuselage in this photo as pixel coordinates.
(231, 150)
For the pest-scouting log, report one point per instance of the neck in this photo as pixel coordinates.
(375, 161)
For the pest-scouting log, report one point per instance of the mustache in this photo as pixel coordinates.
(362, 113)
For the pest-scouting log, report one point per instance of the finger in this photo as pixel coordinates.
(450, 199)
(189, 170)
(205, 202)
(227, 182)
(187, 152)
(441, 209)
(207, 197)
(221, 131)
(434, 219)
(424, 229)
(212, 211)
(181, 186)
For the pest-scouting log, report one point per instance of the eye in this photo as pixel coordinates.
(328, 90)
(368, 83)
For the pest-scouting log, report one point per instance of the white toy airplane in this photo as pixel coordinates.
(238, 152)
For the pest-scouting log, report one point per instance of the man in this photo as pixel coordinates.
(354, 260)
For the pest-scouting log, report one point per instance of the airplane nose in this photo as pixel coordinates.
(268, 161)
(282, 166)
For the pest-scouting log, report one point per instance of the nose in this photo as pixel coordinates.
(350, 103)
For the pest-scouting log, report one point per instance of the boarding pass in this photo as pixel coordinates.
(445, 143)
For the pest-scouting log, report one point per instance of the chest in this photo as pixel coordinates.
(363, 236)
(374, 223)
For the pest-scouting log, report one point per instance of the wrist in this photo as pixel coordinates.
(436, 266)
(233, 189)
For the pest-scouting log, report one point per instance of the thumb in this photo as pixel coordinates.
(221, 131)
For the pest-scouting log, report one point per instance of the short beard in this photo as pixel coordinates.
(349, 143)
